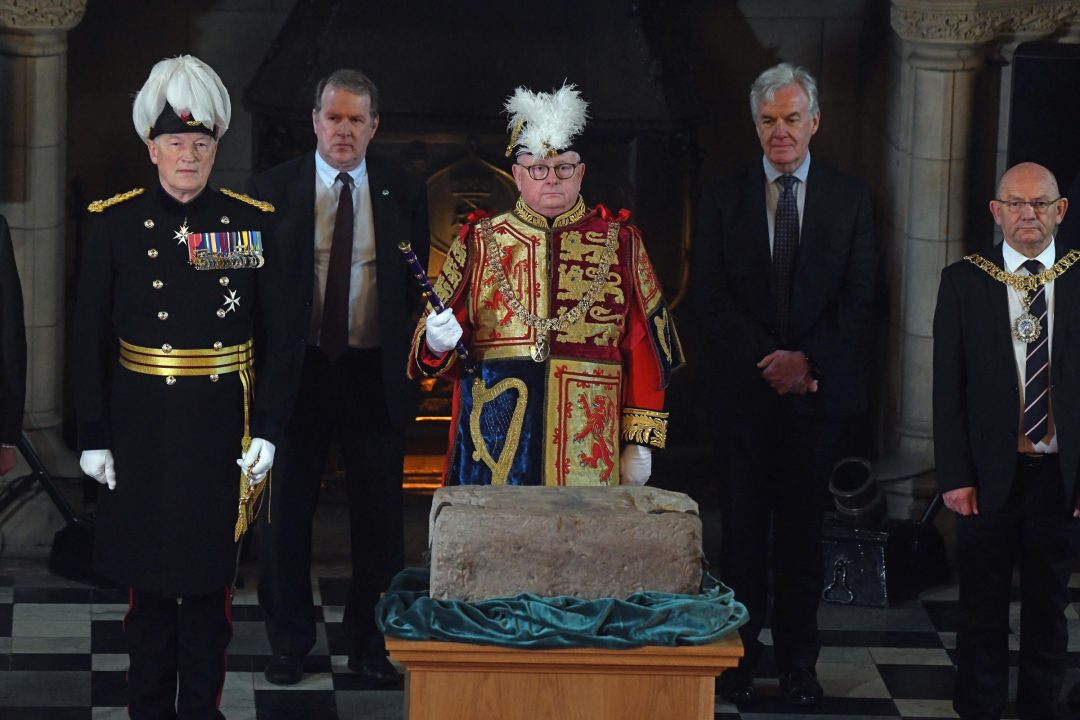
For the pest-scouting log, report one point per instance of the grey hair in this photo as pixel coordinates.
(780, 76)
(353, 81)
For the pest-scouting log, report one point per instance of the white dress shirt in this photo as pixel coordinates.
(1014, 263)
(363, 293)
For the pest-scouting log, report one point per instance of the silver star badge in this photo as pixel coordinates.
(232, 301)
(181, 235)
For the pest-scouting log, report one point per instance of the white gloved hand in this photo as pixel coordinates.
(442, 331)
(99, 465)
(635, 465)
(257, 460)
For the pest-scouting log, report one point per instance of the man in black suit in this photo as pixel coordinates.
(785, 262)
(12, 352)
(1007, 445)
(345, 211)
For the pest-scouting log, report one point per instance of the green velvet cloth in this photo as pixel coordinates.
(406, 611)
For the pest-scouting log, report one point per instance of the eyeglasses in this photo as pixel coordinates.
(1039, 206)
(563, 171)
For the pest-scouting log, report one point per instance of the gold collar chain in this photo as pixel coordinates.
(1026, 327)
(543, 326)
(1025, 283)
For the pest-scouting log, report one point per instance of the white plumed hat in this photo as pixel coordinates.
(545, 124)
(182, 94)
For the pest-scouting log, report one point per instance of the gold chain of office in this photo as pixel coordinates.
(543, 326)
(1025, 283)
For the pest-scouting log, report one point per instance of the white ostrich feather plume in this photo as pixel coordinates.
(545, 124)
(189, 86)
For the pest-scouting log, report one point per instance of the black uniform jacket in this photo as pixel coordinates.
(168, 525)
(399, 213)
(831, 296)
(12, 343)
(976, 382)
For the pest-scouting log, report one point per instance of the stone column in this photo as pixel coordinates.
(943, 44)
(33, 129)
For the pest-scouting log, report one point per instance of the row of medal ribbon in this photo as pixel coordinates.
(225, 250)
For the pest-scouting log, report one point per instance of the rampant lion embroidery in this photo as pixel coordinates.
(514, 273)
(598, 418)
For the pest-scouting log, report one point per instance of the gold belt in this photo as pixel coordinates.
(169, 362)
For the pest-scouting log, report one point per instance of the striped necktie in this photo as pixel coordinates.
(1037, 368)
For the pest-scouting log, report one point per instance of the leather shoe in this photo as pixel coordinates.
(736, 686)
(374, 668)
(801, 687)
(284, 670)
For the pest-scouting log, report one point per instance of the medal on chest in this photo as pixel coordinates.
(1026, 328)
(540, 349)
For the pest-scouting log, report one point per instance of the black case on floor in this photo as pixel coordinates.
(874, 567)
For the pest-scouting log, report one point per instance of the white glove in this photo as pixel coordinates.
(99, 465)
(635, 465)
(257, 460)
(442, 331)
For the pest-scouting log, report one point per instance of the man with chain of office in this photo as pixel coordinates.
(561, 307)
(174, 278)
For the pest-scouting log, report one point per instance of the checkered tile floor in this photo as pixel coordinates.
(62, 658)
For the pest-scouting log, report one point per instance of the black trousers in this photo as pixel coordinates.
(169, 640)
(774, 480)
(343, 399)
(1035, 529)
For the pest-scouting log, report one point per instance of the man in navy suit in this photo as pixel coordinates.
(344, 211)
(1007, 445)
(785, 264)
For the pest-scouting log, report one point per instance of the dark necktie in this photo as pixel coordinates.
(1037, 367)
(334, 331)
(785, 242)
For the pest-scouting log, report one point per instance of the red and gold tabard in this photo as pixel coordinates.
(573, 360)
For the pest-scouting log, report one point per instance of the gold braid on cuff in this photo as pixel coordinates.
(644, 427)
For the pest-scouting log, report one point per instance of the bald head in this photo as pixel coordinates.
(1027, 172)
(1028, 208)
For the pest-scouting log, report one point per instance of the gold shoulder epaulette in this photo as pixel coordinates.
(264, 206)
(101, 205)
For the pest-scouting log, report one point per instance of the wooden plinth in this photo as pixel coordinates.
(459, 681)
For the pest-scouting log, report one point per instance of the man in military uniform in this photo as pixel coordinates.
(560, 304)
(173, 279)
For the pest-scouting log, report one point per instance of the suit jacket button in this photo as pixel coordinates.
(221, 312)
(163, 315)
(170, 380)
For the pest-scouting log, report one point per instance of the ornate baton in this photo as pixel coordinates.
(428, 292)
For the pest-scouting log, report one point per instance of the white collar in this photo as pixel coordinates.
(801, 172)
(1014, 260)
(328, 174)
